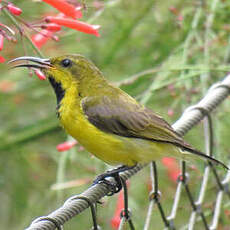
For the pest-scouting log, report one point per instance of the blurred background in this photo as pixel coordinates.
(164, 53)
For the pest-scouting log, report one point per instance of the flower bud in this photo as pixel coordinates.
(39, 74)
(66, 145)
(14, 9)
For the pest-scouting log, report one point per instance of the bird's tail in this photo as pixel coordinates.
(187, 150)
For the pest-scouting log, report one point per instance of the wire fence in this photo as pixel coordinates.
(191, 116)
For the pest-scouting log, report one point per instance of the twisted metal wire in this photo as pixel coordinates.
(77, 204)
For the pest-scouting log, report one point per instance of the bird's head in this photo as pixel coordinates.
(66, 70)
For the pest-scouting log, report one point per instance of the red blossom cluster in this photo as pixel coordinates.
(46, 28)
(68, 17)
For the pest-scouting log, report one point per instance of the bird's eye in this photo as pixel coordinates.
(66, 63)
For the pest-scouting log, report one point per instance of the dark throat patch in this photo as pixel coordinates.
(59, 91)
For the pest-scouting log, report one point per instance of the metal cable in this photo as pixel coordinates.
(72, 207)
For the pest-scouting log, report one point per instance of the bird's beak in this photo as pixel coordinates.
(37, 63)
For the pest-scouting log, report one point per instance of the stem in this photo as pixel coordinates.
(209, 23)
(123, 36)
(14, 21)
(189, 39)
(33, 46)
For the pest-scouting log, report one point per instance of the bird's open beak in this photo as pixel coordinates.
(38, 63)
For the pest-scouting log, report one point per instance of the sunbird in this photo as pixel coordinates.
(105, 120)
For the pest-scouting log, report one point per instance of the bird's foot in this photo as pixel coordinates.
(115, 187)
(114, 173)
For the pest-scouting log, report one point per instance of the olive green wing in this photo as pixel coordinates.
(125, 117)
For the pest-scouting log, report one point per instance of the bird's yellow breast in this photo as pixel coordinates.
(104, 146)
(110, 148)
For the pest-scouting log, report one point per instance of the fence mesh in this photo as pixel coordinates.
(191, 116)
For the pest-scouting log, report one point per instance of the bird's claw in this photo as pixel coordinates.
(115, 187)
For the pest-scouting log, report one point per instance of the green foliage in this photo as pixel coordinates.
(166, 60)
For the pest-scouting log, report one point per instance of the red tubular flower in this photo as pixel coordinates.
(14, 9)
(41, 38)
(173, 168)
(65, 8)
(39, 74)
(51, 27)
(1, 41)
(115, 221)
(74, 24)
(66, 145)
(2, 59)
